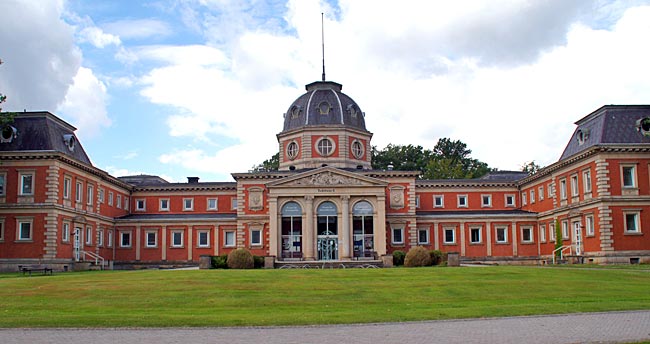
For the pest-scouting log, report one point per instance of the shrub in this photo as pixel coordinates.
(398, 257)
(258, 262)
(220, 262)
(240, 258)
(417, 256)
(436, 257)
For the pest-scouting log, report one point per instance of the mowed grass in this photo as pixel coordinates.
(302, 297)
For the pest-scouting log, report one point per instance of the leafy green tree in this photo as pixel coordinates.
(531, 167)
(270, 164)
(451, 159)
(401, 158)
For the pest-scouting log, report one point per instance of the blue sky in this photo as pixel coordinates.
(198, 87)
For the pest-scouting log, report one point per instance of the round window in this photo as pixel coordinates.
(325, 146)
(357, 149)
(292, 150)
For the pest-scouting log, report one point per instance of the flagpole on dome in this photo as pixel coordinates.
(322, 31)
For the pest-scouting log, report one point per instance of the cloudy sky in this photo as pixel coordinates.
(198, 87)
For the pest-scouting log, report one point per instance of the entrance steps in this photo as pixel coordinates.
(328, 264)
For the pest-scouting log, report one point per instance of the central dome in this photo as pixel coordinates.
(324, 105)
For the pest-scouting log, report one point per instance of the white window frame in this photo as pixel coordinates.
(426, 234)
(464, 197)
(439, 199)
(480, 236)
(67, 184)
(109, 238)
(124, 234)
(2, 229)
(110, 198)
(126, 203)
(118, 201)
(139, 202)
(205, 232)
(489, 203)
(90, 189)
(101, 195)
(549, 190)
(542, 233)
(565, 229)
(253, 243)
(444, 235)
(637, 221)
(21, 177)
(417, 201)
(509, 204)
(149, 232)
(89, 235)
(524, 198)
(191, 205)
(397, 229)
(532, 196)
(575, 190)
(590, 225)
(563, 190)
(505, 234)
(78, 194)
(528, 229)
(551, 232)
(65, 232)
(233, 203)
(174, 234)
(586, 180)
(540, 191)
(216, 203)
(225, 238)
(633, 176)
(100, 237)
(19, 232)
(160, 204)
(3, 183)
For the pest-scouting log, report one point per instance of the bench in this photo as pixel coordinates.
(34, 268)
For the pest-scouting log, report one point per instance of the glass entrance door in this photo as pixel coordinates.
(291, 231)
(327, 230)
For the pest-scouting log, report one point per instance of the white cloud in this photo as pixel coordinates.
(85, 103)
(138, 28)
(97, 37)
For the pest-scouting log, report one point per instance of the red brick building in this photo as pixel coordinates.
(325, 203)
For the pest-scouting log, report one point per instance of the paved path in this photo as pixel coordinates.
(573, 328)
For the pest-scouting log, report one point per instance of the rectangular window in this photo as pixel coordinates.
(574, 186)
(629, 176)
(204, 238)
(486, 200)
(77, 191)
(510, 200)
(398, 236)
(565, 230)
(125, 239)
(502, 234)
(109, 239)
(67, 182)
(212, 204)
(551, 231)
(256, 237)
(89, 235)
(126, 203)
(140, 204)
(101, 195)
(589, 223)
(423, 236)
(164, 204)
(118, 202)
(542, 233)
(110, 198)
(177, 239)
(563, 189)
(2, 231)
(152, 238)
(524, 199)
(438, 201)
(549, 189)
(417, 201)
(233, 203)
(450, 236)
(26, 184)
(462, 201)
(3, 179)
(188, 203)
(65, 232)
(89, 194)
(100, 237)
(527, 234)
(541, 192)
(632, 222)
(475, 235)
(532, 196)
(229, 238)
(24, 230)
(586, 179)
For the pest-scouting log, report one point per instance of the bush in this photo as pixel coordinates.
(436, 257)
(258, 262)
(398, 258)
(220, 262)
(417, 256)
(240, 258)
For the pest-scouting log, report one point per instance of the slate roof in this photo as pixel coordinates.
(143, 180)
(44, 132)
(305, 111)
(609, 125)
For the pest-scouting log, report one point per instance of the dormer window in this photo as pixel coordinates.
(353, 111)
(295, 111)
(8, 133)
(643, 126)
(70, 141)
(582, 135)
(324, 108)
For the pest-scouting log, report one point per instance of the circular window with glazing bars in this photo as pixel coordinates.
(325, 146)
(292, 150)
(357, 149)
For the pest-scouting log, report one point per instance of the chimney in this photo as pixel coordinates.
(192, 180)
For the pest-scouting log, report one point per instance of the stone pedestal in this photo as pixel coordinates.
(453, 259)
(387, 260)
(205, 262)
(269, 262)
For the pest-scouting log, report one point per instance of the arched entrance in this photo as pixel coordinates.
(327, 230)
(363, 231)
(291, 231)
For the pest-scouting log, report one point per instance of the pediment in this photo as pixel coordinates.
(327, 177)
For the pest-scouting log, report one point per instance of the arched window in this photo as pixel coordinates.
(291, 231)
(327, 231)
(362, 228)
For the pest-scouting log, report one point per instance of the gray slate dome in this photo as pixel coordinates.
(324, 104)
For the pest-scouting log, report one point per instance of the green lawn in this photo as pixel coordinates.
(283, 297)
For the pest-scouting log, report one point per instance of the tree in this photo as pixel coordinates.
(6, 118)
(401, 158)
(451, 159)
(530, 167)
(270, 164)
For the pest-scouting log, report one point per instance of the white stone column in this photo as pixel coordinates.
(308, 242)
(515, 242)
(163, 247)
(138, 234)
(273, 227)
(462, 239)
(344, 248)
(488, 237)
(190, 237)
(436, 244)
(380, 226)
